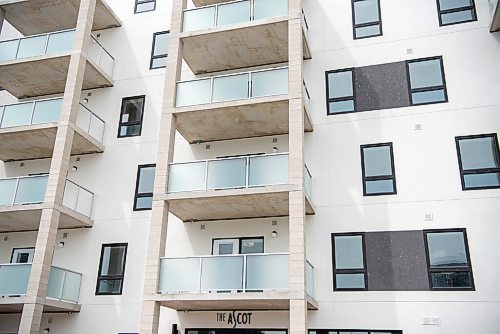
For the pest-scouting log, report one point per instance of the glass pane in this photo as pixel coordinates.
(96, 128)
(222, 273)
(267, 272)
(268, 83)
(451, 4)
(478, 153)
(159, 62)
(17, 115)
(377, 160)
(113, 259)
(482, 180)
(47, 111)
(233, 13)
(187, 177)
(234, 87)
(341, 106)
(428, 97)
(310, 279)
(190, 93)
(109, 286)
(425, 73)
(456, 17)
(225, 249)
(60, 42)
(84, 204)
(130, 130)
(252, 246)
(227, 173)
(83, 118)
(366, 11)
(71, 290)
(350, 281)
(459, 279)
(70, 196)
(146, 179)
(447, 249)
(56, 281)
(14, 279)
(106, 63)
(349, 252)
(368, 31)
(307, 182)
(379, 187)
(268, 170)
(178, 275)
(32, 46)
(269, 8)
(340, 84)
(144, 202)
(145, 7)
(8, 50)
(31, 190)
(161, 44)
(132, 109)
(199, 19)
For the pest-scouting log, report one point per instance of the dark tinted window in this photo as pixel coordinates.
(144, 6)
(111, 269)
(131, 116)
(159, 53)
(143, 199)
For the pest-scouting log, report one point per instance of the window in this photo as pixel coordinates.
(456, 11)
(159, 51)
(22, 255)
(377, 162)
(448, 260)
(340, 91)
(131, 116)
(479, 161)
(238, 246)
(111, 269)
(426, 81)
(352, 331)
(349, 262)
(142, 6)
(143, 199)
(366, 18)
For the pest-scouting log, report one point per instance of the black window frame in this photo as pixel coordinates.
(349, 271)
(18, 248)
(340, 99)
(240, 241)
(456, 10)
(426, 89)
(479, 170)
(448, 269)
(140, 2)
(131, 123)
(153, 56)
(378, 177)
(114, 277)
(138, 195)
(369, 331)
(367, 24)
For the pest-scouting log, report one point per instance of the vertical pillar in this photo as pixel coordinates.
(150, 311)
(297, 262)
(49, 222)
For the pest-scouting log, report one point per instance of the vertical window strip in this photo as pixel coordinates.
(159, 52)
(111, 269)
(143, 197)
(349, 276)
(340, 91)
(450, 13)
(142, 6)
(426, 81)
(378, 179)
(131, 127)
(366, 18)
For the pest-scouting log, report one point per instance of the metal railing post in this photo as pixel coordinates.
(15, 192)
(32, 112)
(245, 268)
(201, 273)
(247, 171)
(206, 175)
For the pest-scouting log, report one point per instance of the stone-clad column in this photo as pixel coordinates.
(150, 312)
(49, 222)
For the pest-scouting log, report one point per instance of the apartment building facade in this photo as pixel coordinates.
(254, 166)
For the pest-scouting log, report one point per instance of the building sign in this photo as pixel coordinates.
(234, 318)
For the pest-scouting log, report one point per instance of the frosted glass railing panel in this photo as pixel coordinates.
(268, 169)
(100, 56)
(60, 42)
(78, 198)
(310, 279)
(14, 279)
(187, 177)
(179, 275)
(199, 19)
(226, 173)
(267, 272)
(264, 9)
(64, 285)
(17, 115)
(235, 12)
(308, 181)
(32, 46)
(271, 82)
(232, 87)
(90, 123)
(31, 189)
(36, 112)
(7, 191)
(47, 111)
(8, 50)
(190, 93)
(222, 273)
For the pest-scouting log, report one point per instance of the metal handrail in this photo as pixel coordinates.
(230, 158)
(304, 18)
(306, 89)
(95, 39)
(68, 270)
(225, 255)
(34, 102)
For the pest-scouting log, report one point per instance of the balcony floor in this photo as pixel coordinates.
(270, 201)
(236, 46)
(10, 305)
(32, 17)
(46, 75)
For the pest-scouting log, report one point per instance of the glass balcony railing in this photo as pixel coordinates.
(242, 273)
(232, 13)
(100, 56)
(23, 190)
(64, 285)
(310, 279)
(307, 181)
(232, 87)
(230, 173)
(47, 111)
(78, 198)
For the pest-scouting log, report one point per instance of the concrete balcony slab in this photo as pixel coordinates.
(495, 24)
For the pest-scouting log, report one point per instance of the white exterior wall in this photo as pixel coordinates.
(426, 168)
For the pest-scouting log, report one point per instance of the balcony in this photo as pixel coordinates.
(233, 188)
(228, 282)
(28, 130)
(22, 201)
(63, 290)
(236, 34)
(41, 16)
(495, 25)
(206, 109)
(38, 65)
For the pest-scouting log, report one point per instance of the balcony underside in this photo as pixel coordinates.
(270, 201)
(236, 119)
(37, 142)
(495, 25)
(46, 75)
(10, 305)
(32, 17)
(19, 218)
(238, 46)
(229, 301)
